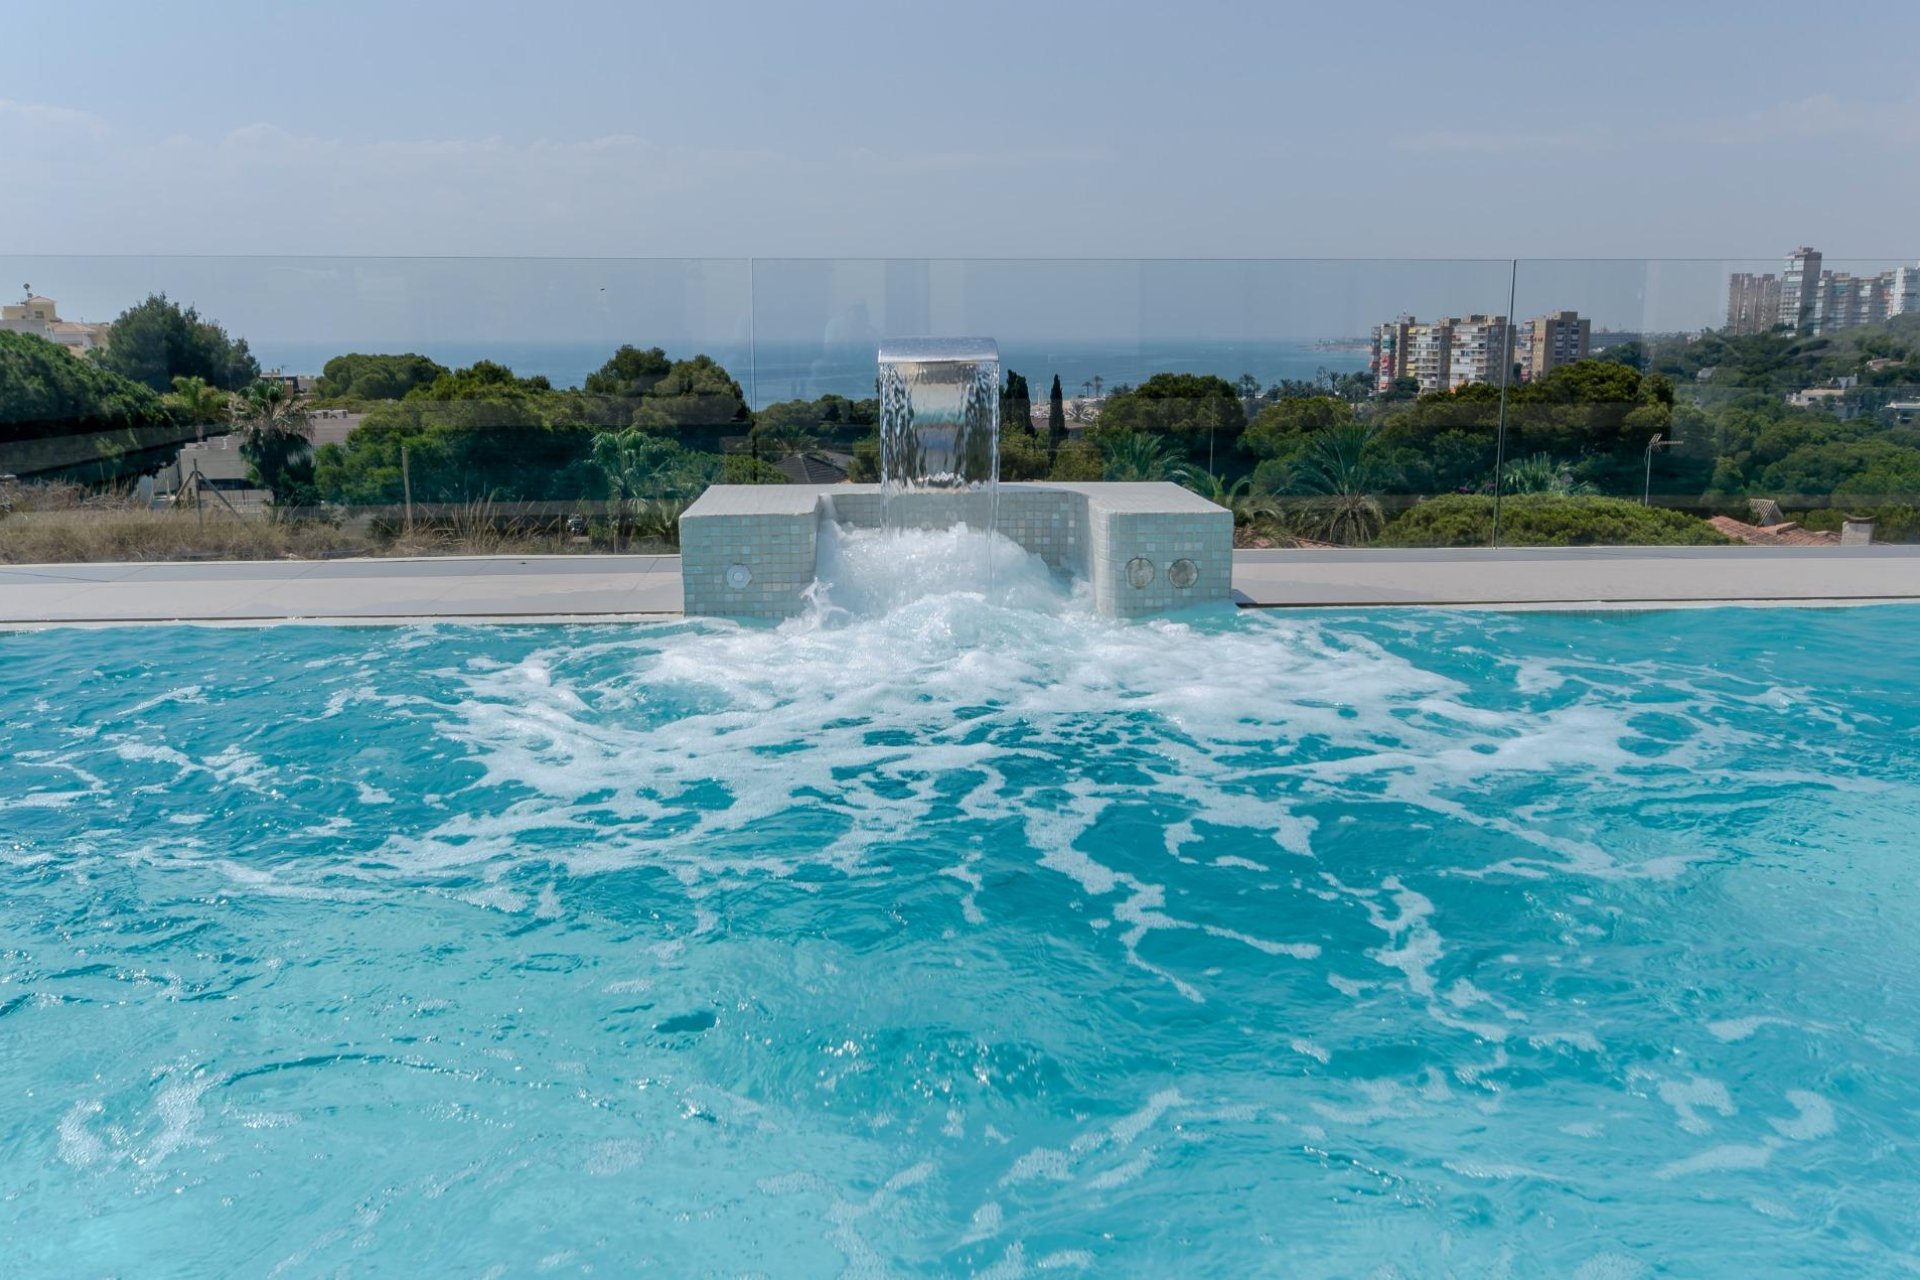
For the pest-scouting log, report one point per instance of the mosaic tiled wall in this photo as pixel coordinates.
(748, 551)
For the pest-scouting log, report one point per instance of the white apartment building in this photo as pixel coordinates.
(1444, 355)
(1799, 290)
(1806, 299)
(1847, 301)
(1481, 350)
(1903, 292)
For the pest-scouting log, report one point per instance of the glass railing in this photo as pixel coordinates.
(164, 408)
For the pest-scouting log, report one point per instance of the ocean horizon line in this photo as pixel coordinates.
(782, 369)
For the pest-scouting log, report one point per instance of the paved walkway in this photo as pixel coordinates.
(608, 586)
(1575, 576)
(373, 590)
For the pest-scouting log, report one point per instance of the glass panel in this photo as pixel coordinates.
(321, 406)
(1341, 402)
(1761, 402)
(1254, 382)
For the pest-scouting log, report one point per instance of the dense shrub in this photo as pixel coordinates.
(1545, 520)
(156, 341)
(357, 376)
(46, 392)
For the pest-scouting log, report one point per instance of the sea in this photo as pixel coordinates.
(772, 372)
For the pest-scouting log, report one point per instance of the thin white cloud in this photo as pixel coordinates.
(29, 124)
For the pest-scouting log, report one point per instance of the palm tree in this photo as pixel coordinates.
(1541, 474)
(783, 440)
(1136, 456)
(1339, 473)
(1238, 497)
(626, 459)
(1249, 388)
(276, 436)
(200, 401)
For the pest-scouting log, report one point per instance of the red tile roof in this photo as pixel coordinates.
(1788, 534)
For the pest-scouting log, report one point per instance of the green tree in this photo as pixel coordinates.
(790, 426)
(1282, 429)
(1023, 455)
(1542, 474)
(1341, 476)
(482, 380)
(276, 439)
(697, 401)
(1880, 471)
(155, 341)
(1242, 497)
(482, 430)
(45, 391)
(1077, 460)
(1016, 406)
(1249, 388)
(782, 430)
(866, 461)
(357, 376)
(1200, 417)
(1056, 418)
(1136, 456)
(199, 402)
(630, 461)
(630, 372)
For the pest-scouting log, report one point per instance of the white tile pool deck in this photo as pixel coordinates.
(528, 588)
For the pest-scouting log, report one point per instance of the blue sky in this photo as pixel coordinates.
(1120, 129)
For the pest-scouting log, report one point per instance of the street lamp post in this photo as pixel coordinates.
(1646, 492)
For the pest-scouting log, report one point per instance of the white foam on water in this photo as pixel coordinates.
(1308, 1048)
(1612, 1266)
(1121, 1175)
(984, 1224)
(786, 715)
(912, 688)
(1689, 1097)
(1124, 1131)
(1731, 1030)
(1729, 1157)
(173, 1122)
(867, 572)
(1494, 1172)
(79, 1147)
(1814, 1117)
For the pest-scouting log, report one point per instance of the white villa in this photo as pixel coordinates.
(38, 314)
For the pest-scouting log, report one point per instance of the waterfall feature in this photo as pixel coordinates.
(938, 523)
(939, 433)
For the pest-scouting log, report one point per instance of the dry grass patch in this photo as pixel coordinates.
(60, 523)
(108, 534)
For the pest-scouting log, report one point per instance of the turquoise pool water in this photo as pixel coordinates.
(957, 939)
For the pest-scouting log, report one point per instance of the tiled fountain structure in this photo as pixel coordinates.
(747, 551)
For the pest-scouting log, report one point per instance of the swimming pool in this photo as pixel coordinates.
(963, 939)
